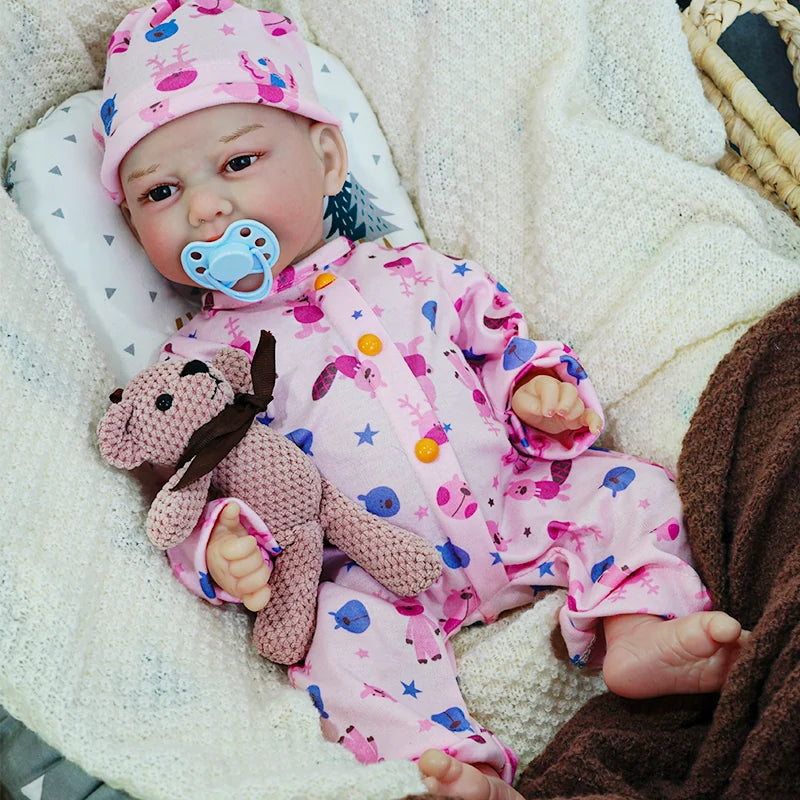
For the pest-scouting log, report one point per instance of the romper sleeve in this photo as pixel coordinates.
(493, 336)
(188, 559)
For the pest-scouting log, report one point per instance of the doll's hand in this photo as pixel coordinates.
(553, 406)
(235, 562)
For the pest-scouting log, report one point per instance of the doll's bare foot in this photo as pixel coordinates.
(235, 562)
(647, 656)
(444, 775)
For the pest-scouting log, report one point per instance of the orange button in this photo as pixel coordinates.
(323, 280)
(426, 450)
(370, 345)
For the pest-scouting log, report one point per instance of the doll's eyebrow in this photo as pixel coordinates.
(140, 173)
(239, 132)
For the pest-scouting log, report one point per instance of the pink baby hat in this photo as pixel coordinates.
(175, 57)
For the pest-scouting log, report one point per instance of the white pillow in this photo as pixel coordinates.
(53, 177)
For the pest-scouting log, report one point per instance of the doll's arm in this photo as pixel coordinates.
(403, 562)
(191, 560)
(492, 336)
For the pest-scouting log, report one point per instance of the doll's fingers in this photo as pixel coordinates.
(527, 407)
(593, 421)
(573, 412)
(235, 547)
(547, 390)
(253, 581)
(246, 565)
(568, 400)
(258, 599)
(228, 519)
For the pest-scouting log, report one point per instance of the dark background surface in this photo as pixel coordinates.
(758, 50)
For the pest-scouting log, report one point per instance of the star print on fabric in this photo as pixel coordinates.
(546, 568)
(357, 314)
(366, 435)
(409, 688)
(645, 503)
(461, 269)
(227, 30)
(495, 482)
(363, 654)
(496, 558)
(377, 311)
(421, 512)
(447, 427)
(491, 501)
(527, 532)
(177, 569)
(425, 725)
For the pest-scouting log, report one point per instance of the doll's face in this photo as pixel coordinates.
(192, 177)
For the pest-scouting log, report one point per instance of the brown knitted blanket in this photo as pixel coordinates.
(739, 478)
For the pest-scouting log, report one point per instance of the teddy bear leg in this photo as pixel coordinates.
(403, 562)
(283, 629)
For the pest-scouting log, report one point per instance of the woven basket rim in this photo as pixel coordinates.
(764, 150)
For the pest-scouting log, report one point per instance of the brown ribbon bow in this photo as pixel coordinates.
(211, 442)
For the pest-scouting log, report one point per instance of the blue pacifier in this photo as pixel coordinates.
(246, 248)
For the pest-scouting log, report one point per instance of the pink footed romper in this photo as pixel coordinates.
(395, 374)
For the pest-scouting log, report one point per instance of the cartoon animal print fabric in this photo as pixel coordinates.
(401, 386)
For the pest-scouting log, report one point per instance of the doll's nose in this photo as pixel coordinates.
(205, 205)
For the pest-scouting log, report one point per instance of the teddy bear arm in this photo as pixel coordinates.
(403, 562)
(173, 515)
(284, 627)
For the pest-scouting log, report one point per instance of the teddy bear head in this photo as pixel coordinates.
(163, 405)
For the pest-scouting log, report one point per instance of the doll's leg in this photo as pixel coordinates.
(383, 679)
(647, 656)
(614, 538)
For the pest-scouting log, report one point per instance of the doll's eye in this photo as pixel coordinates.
(161, 192)
(164, 402)
(239, 163)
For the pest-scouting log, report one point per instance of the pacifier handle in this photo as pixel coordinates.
(247, 247)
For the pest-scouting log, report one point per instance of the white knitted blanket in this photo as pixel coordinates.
(565, 146)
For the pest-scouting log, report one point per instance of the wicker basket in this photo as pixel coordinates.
(763, 150)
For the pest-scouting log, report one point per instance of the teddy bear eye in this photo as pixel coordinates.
(163, 402)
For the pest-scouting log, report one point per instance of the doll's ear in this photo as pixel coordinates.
(235, 368)
(330, 146)
(117, 446)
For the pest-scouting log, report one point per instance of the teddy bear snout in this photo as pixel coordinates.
(194, 367)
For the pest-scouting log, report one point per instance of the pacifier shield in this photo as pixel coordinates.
(247, 247)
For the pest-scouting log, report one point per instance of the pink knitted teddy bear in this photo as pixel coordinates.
(166, 416)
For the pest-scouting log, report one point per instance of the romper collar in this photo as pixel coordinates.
(293, 275)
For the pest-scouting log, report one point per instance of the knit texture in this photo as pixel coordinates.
(569, 149)
(738, 476)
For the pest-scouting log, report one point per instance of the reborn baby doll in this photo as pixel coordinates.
(414, 377)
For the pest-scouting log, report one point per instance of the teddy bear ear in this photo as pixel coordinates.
(234, 365)
(117, 446)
